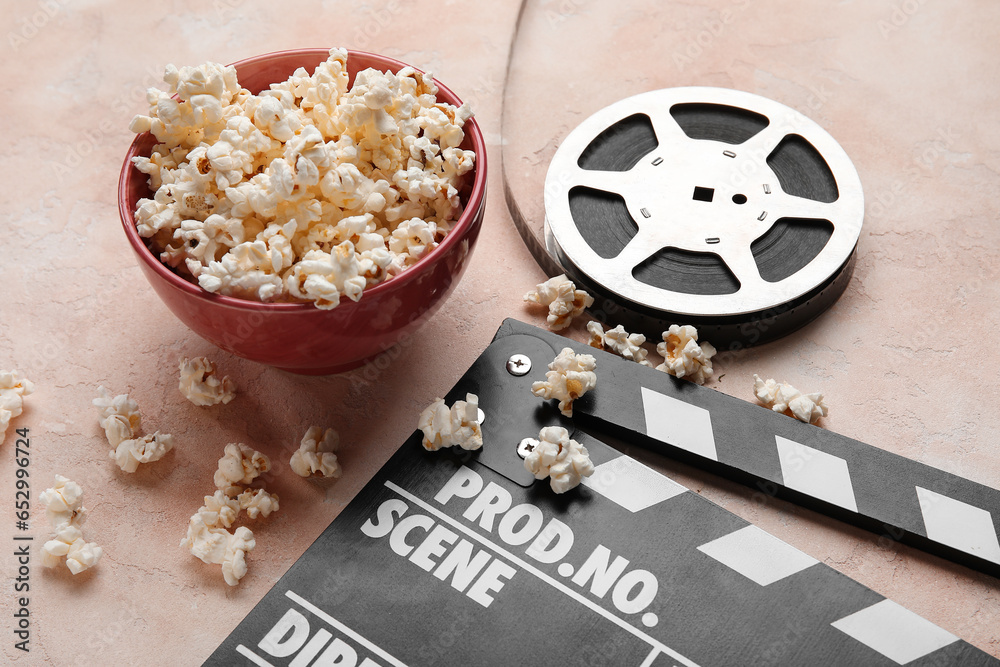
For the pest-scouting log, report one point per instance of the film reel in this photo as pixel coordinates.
(707, 206)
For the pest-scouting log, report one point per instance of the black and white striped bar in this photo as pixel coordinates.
(773, 574)
(890, 495)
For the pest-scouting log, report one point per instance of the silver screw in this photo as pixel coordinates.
(526, 446)
(518, 365)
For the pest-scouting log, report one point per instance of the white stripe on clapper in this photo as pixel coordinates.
(650, 658)
(252, 657)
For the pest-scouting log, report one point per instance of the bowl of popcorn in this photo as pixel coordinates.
(304, 209)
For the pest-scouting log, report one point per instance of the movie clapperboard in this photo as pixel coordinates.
(461, 558)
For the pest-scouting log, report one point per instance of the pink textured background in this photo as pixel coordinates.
(905, 358)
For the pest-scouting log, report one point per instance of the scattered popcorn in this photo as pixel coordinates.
(617, 340)
(783, 397)
(64, 503)
(234, 564)
(239, 465)
(596, 332)
(82, 555)
(65, 510)
(146, 449)
(316, 453)
(205, 538)
(562, 298)
(220, 510)
(13, 389)
(68, 543)
(119, 417)
(121, 421)
(683, 356)
(308, 191)
(208, 537)
(258, 502)
(216, 545)
(118, 406)
(445, 427)
(117, 430)
(569, 377)
(564, 461)
(201, 385)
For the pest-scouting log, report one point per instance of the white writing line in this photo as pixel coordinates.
(656, 644)
(650, 658)
(253, 657)
(343, 628)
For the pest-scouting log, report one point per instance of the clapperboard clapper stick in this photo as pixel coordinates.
(890, 495)
(461, 558)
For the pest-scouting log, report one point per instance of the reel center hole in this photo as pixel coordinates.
(703, 194)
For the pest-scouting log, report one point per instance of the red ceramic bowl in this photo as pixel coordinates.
(299, 337)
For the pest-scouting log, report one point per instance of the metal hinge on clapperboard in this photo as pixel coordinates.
(462, 559)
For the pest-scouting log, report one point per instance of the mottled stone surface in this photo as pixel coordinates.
(905, 357)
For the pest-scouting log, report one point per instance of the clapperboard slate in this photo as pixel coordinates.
(457, 558)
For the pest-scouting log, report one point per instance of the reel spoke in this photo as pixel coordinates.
(643, 246)
(784, 205)
(762, 144)
(617, 182)
(668, 130)
(741, 262)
